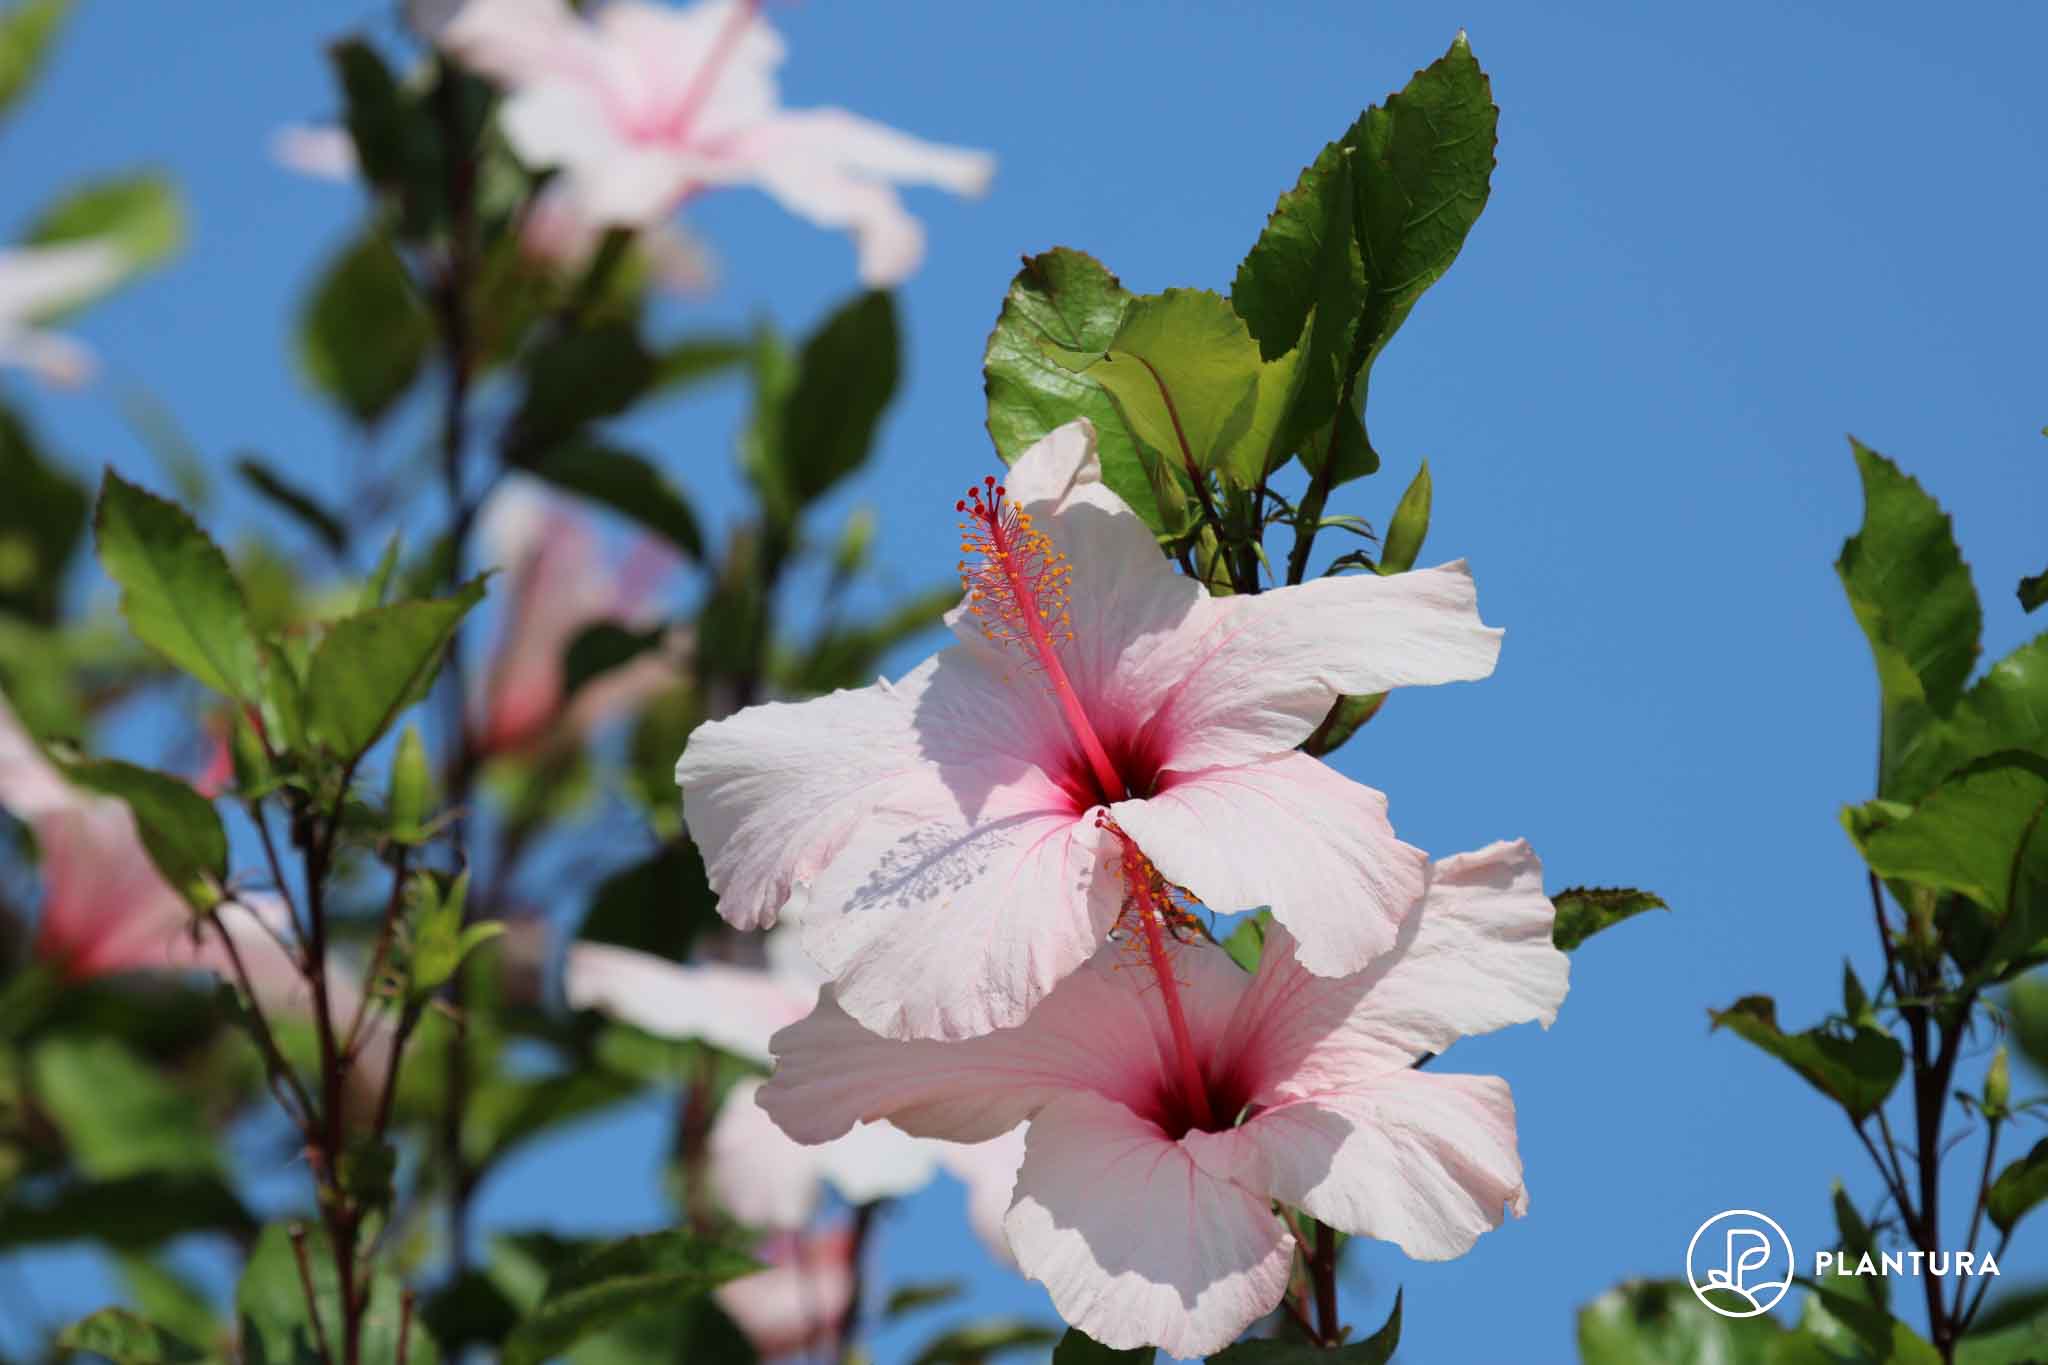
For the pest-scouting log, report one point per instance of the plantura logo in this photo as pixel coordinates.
(1739, 1263)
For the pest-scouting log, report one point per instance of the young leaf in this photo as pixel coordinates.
(118, 1116)
(1347, 717)
(627, 484)
(1858, 1070)
(26, 32)
(1409, 525)
(294, 501)
(179, 827)
(363, 335)
(845, 376)
(1912, 594)
(177, 591)
(1856, 1243)
(1062, 301)
(138, 215)
(1376, 1349)
(374, 664)
(2019, 1188)
(277, 1328)
(378, 585)
(615, 1281)
(1584, 911)
(127, 1339)
(42, 519)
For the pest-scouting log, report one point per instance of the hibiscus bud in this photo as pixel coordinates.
(1997, 1085)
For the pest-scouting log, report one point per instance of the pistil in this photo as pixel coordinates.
(1147, 903)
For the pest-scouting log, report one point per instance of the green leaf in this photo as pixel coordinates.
(168, 1298)
(126, 1339)
(1835, 1326)
(689, 363)
(1247, 942)
(1078, 1348)
(177, 591)
(909, 1298)
(439, 940)
(657, 906)
(1376, 1349)
(42, 519)
(1421, 171)
(363, 335)
(1306, 274)
(2021, 1343)
(1858, 1069)
(294, 501)
(1979, 834)
(374, 664)
(26, 32)
(2033, 591)
(615, 1281)
(1584, 911)
(276, 1327)
(1409, 525)
(391, 144)
(1856, 1242)
(134, 1213)
(979, 1342)
(627, 484)
(576, 379)
(599, 649)
(1660, 1320)
(377, 586)
(138, 214)
(412, 787)
(118, 1116)
(1912, 595)
(2019, 1188)
(2026, 1004)
(180, 828)
(1061, 301)
(1347, 717)
(2007, 708)
(845, 376)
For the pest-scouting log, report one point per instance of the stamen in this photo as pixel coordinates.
(1149, 914)
(1018, 589)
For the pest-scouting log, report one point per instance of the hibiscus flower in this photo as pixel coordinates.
(956, 835)
(645, 105)
(1167, 1116)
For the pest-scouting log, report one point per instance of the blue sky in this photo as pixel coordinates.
(1719, 239)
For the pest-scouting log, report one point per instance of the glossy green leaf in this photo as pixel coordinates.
(179, 827)
(139, 215)
(371, 666)
(1376, 1349)
(845, 376)
(127, 1339)
(1078, 1348)
(979, 1342)
(2007, 708)
(177, 591)
(617, 1280)
(1062, 303)
(363, 335)
(575, 379)
(1660, 1320)
(627, 484)
(1858, 1069)
(42, 519)
(1981, 834)
(1912, 594)
(277, 1329)
(119, 1117)
(1247, 942)
(1348, 715)
(26, 32)
(1584, 911)
(1409, 525)
(2019, 1188)
(295, 502)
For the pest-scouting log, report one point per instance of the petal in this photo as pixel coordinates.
(765, 1179)
(38, 280)
(865, 147)
(1312, 844)
(1136, 1243)
(1261, 672)
(889, 242)
(323, 151)
(521, 42)
(989, 1171)
(1093, 1033)
(1425, 1161)
(734, 1009)
(664, 59)
(799, 1301)
(30, 785)
(52, 357)
(1476, 957)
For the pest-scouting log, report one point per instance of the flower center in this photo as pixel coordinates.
(1017, 591)
(672, 122)
(1149, 918)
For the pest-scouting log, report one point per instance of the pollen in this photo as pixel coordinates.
(1018, 585)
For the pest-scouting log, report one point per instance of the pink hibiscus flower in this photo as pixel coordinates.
(1168, 1113)
(758, 1174)
(957, 833)
(36, 281)
(557, 583)
(646, 105)
(798, 1304)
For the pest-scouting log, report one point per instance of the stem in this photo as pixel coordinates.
(1323, 1270)
(1977, 1218)
(299, 1108)
(1199, 480)
(298, 1236)
(849, 1322)
(1310, 511)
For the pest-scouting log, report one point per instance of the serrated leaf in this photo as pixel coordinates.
(177, 591)
(2020, 1187)
(119, 1117)
(2007, 708)
(276, 1328)
(1584, 911)
(370, 666)
(42, 519)
(26, 33)
(627, 484)
(1981, 834)
(1061, 301)
(294, 501)
(1410, 523)
(180, 828)
(615, 1281)
(127, 1339)
(1912, 595)
(1857, 1069)
(138, 215)
(363, 335)
(1376, 1349)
